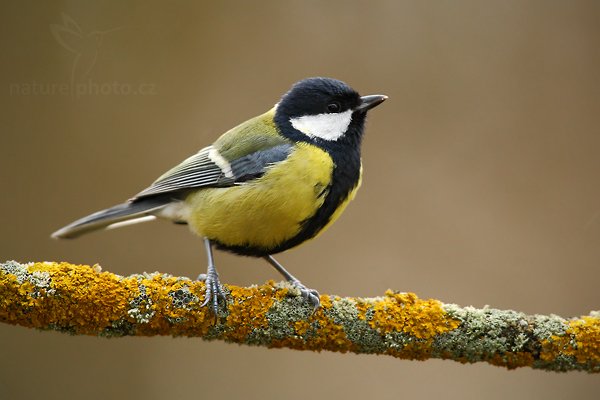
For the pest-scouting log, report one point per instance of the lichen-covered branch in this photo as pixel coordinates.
(80, 299)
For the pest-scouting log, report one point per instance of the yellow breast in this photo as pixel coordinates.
(266, 211)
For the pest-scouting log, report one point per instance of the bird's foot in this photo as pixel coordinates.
(214, 290)
(308, 294)
(311, 295)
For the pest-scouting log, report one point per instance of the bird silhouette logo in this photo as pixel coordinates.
(85, 46)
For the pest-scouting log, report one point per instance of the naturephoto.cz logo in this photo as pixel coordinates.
(86, 48)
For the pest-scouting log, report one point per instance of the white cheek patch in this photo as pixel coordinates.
(325, 126)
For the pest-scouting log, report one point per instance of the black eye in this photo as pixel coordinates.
(334, 107)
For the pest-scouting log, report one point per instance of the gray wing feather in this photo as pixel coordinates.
(197, 171)
(254, 165)
(201, 171)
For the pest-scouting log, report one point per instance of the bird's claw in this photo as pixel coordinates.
(311, 295)
(214, 290)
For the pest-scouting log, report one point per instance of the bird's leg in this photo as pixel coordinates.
(309, 294)
(211, 281)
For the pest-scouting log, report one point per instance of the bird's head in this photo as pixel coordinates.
(324, 110)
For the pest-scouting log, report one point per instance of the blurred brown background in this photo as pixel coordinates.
(481, 175)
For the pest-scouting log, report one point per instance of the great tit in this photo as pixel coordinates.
(263, 187)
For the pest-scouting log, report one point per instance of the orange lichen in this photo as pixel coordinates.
(248, 309)
(420, 350)
(157, 290)
(587, 336)
(12, 298)
(26, 288)
(405, 312)
(330, 336)
(67, 307)
(86, 301)
(71, 303)
(581, 340)
(319, 332)
(301, 327)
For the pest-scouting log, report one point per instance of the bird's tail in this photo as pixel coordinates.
(131, 212)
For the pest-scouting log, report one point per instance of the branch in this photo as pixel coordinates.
(80, 299)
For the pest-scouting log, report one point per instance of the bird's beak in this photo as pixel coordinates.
(368, 102)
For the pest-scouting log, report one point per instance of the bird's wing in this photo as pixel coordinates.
(209, 168)
(239, 155)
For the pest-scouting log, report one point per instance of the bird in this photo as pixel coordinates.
(263, 187)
